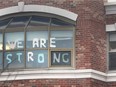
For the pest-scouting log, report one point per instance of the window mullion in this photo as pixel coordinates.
(49, 53)
(25, 41)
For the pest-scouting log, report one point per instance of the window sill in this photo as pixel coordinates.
(53, 74)
(59, 74)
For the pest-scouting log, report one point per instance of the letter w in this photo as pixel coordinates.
(12, 44)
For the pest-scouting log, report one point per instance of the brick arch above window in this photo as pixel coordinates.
(38, 8)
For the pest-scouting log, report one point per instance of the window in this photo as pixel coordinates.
(112, 51)
(35, 41)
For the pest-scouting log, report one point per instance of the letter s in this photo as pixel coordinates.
(7, 57)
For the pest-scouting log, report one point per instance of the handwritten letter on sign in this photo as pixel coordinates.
(61, 58)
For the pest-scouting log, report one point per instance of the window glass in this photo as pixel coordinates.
(19, 22)
(112, 61)
(57, 22)
(112, 36)
(4, 23)
(1, 41)
(14, 59)
(37, 59)
(112, 46)
(37, 39)
(39, 21)
(14, 40)
(62, 38)
(112, 42)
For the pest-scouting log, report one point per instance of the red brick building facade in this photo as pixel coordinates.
(90, 66)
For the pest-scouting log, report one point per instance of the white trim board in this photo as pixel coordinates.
(110, 7)
(53, 74)
(58, 74)
(109, 3)
(110, 27)
(38, 8)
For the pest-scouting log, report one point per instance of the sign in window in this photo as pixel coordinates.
(60, 58)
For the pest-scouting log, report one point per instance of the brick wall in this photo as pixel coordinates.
(55, 83)
(90, 41)
(91, 35)
(90, 31)
(97, 83)
(112, 84)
